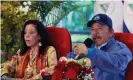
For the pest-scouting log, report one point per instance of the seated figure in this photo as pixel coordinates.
(36, 57)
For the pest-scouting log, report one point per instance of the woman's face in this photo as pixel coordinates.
(31, 36)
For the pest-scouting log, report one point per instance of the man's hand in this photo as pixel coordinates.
(62, 59)
(80, 49)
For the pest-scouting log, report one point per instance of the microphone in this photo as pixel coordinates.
(79, 56)
(88, 42)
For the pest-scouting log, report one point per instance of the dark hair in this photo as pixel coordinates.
(43, 35)
(110, 29)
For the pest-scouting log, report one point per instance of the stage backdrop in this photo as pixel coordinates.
(121, 13)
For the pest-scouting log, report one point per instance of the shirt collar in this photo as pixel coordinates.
(101, 45)
(107, 44)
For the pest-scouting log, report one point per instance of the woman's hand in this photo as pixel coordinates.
(4, 77)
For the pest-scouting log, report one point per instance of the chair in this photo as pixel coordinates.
(127, 38)
(61, 40)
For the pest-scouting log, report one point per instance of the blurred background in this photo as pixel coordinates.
(72, 15)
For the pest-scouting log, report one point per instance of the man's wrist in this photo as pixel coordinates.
(90, 53)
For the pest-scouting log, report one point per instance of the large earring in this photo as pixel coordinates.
(40, 44)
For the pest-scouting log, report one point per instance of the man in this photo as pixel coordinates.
(109, 57)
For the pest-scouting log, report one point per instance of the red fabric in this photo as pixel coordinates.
(22, 65)
(127, 38)
(72, 71)
(66, 70)
(23, 62)
(61, 40)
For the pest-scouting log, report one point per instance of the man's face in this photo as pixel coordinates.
(100, 34)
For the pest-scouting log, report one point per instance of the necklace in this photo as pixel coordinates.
(32, 57)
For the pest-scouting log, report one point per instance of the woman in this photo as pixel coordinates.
(36, 58)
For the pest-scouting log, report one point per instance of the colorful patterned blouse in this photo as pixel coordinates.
(22, 67)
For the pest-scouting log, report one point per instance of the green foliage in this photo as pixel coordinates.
(52, 12)
(12, 20)
(44, 8)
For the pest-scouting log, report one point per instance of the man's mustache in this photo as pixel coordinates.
(96, 37)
